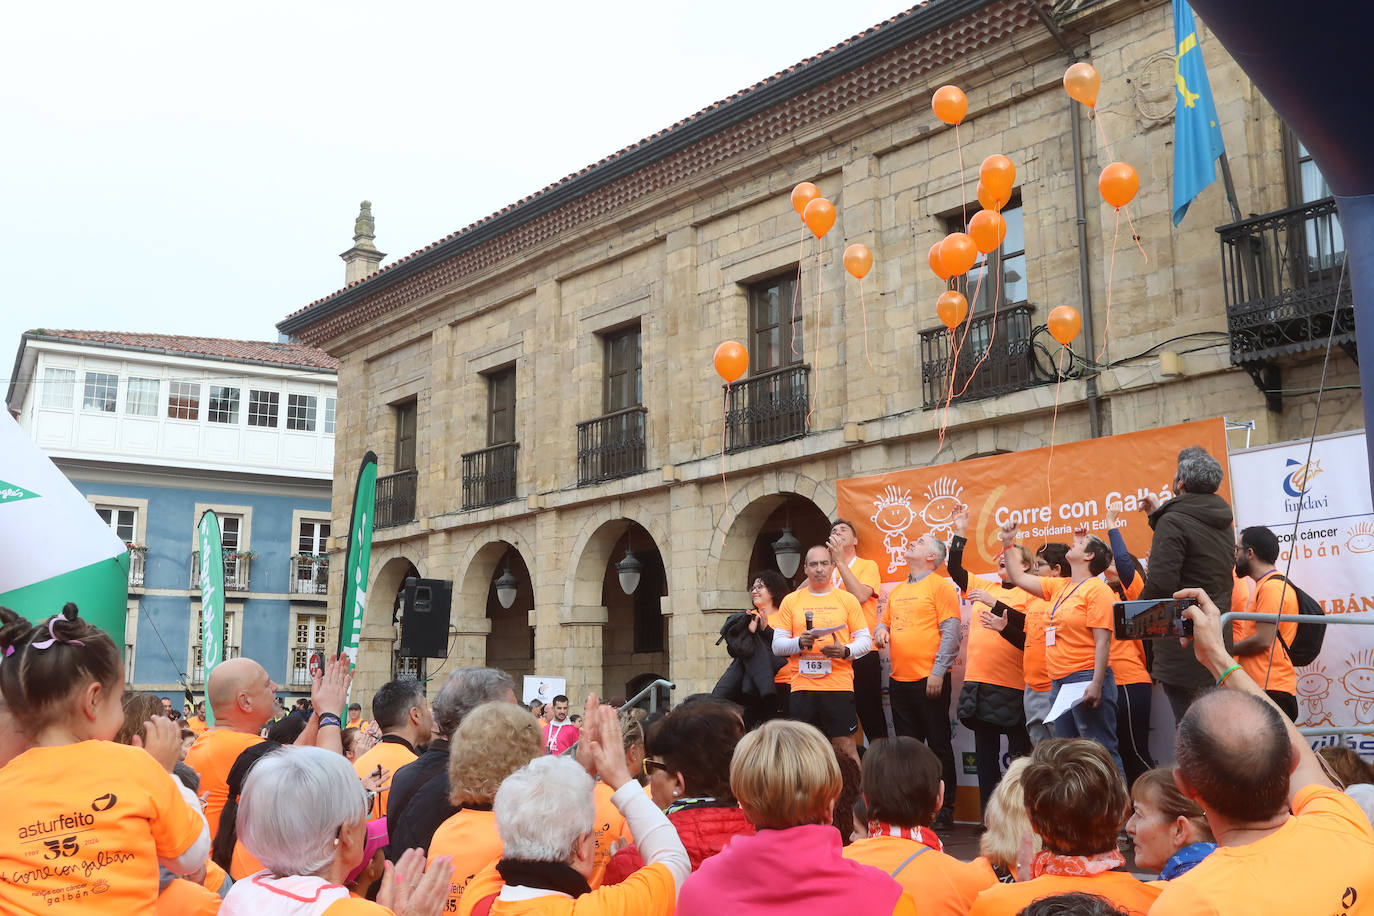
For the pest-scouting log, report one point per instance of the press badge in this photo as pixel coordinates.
(1049, 636)
(814, 667)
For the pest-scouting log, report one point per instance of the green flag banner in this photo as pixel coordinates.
(211, 600)
(358, 559)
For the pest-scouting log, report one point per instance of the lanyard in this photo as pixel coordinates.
(1064, 596)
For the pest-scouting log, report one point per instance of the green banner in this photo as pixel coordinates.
(358, 561)
(211, 600)
(100, 590)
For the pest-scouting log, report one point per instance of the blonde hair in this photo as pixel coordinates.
(784, 774)
(492, 742)
(1006, 819)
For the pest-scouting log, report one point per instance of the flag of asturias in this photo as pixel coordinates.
(1197, 135)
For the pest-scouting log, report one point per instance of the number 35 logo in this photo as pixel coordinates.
(58, 849)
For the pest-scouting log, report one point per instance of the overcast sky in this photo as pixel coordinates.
(196, 169)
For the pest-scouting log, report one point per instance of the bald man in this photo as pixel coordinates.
(241, 696)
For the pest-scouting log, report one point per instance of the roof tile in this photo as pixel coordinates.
(286, 354)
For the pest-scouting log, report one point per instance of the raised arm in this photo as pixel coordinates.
(955, 561)
(1125, 569)
(1023, 579)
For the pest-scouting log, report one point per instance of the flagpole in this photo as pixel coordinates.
(1230, 186)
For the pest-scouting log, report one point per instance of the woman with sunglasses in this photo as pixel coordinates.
(688, 767)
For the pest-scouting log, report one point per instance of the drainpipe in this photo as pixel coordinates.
(1080, 214)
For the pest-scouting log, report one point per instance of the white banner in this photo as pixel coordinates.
(543, 689)
(1332, 554)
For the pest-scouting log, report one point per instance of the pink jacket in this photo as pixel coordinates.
(558, 738)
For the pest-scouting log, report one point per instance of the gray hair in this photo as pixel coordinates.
(939, 546)
(541, 809)
(465, 690)
(1199, 471)
(293, 804)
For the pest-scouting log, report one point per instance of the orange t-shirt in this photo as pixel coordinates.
(83, 825)
(197, 725)
(866, 571)
(944, 885)
(1037, 674)
(789, 670)
(1242, 588)
(1321, 861)
(1266, 600)
(471, 838)
(486, 883)
(835, 608)
(610, 828)
(647, 892)
(243, 863)
(992, 659)
(913, 614)
(186, 898)
(1121, 889)
(1076, 609)
(392, 756)
(212, 756)
(1127, 660)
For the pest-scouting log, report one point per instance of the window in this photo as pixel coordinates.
(262, 408)
(310, 636)
(330, 406)
(775, 324)
(1323, 237)
(122, 521)
(59, 387)
(102, 391)
(230, 647)
(140, 399)
(223, 406)
(1008, 288)
(623, 376)
(183, 401)
(230, 530)
(405, 435)
(311, 563)
(501, 406)
(313, 537)
(300, 412)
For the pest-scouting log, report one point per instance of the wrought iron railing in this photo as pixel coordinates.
(489, 475)
(611, 446)
(198, 670)
(309, 574)
(766, 408)
(236, 567)
(1280, 272)
(137, 564)
(396, 499)
(1016, 358)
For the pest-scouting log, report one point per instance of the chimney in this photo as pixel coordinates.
(363, 258)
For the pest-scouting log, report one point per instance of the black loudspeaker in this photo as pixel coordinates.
(424, 617)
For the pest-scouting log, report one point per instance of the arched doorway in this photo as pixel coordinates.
(510, 643)
(803, 518)
(635, 640)
(381, 627)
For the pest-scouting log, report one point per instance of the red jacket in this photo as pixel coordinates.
(703, 831)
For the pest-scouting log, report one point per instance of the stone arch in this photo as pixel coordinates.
(749, 508)
(392, 565)
(478, 564)
(592, 550)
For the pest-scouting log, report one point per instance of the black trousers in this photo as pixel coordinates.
(917, 716)
(1133, 728)
(987, 746)
(1285, 701)
(868, 696)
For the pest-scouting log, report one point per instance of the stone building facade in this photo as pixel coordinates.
(539, 389)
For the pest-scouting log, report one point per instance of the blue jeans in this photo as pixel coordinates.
(1081, 721)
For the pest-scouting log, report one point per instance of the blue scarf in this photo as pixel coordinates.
(1183, 861)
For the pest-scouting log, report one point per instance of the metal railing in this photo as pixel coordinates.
(1280, 273)
(611, 446)
(650, 691)
(1012, 362)
(236, 569)
(766, 408)
(198, 671)
(137, 564)
(489, 475)
(396, 499)
(309, 574)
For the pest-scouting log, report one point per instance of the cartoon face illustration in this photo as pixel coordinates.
(1359, 682)
(1313, 684)
(1360, 538)
(894, 511)
(942, 501)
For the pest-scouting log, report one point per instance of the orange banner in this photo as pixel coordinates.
(889, 510)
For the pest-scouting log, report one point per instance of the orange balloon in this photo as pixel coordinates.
(858, 260)
(935, 263)
(802, 195)
(1081, 82)
(819, 216)
(731, 360)
(1064, 323)
(950, 104)
(998, 175)
(952, 308)
(986, 199)
(1118, 184)
(957, 253)
(987, 229)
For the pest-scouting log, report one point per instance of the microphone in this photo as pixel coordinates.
(809, 620)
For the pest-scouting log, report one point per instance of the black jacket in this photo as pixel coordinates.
(1194, 546)
(418, 801)
(751, 672)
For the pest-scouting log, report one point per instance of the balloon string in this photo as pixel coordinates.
(1136, 235)
(1103, 134)
(956, 347)
(1054, 421)
(1111, 268)
(724, 425)
(953, 367)
(864, 307)
(992, 333)
(963, 205)
(816, 393)
(796, 291)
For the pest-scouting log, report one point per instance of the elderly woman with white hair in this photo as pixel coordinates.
(303, 815)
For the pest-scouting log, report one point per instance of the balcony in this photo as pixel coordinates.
(611, 446)
(236, 566)
(1016, 357)
(395, 499)
(766, 408)
(309, 574)
(489, 475)
(198, 669)
(137, 563)
(1280, 272)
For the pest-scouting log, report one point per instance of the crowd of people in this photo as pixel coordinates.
(471, 803)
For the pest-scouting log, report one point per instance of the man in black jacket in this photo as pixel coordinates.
(419, 798)
(1194, 546)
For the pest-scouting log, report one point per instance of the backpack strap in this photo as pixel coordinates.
(918, 852)
(1288, 585)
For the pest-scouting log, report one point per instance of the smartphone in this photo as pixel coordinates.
(1158, 618)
